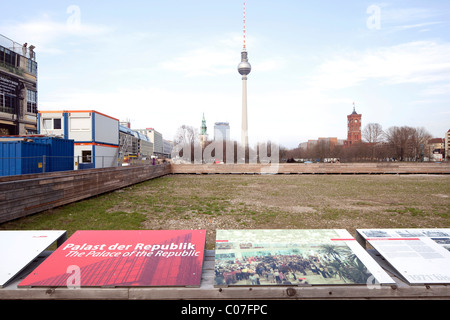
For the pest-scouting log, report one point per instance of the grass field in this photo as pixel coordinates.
(214, 202)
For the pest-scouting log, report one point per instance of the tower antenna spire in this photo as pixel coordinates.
(244, 26)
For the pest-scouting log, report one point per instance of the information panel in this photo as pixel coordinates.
(293, 257)
(421, 256)
(19, 248)
(120, 258)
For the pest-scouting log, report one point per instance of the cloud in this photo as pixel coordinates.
(439, 89)
(403, 19)
(417, 25)
(46, 33)
(203, 62)
(392, 15)
(420, 62)
(220, 57)
(165, 109)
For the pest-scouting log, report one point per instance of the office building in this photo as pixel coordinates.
(156, 138)
(221, 131)
(18, 88)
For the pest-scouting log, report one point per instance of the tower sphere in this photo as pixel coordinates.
(244, 67)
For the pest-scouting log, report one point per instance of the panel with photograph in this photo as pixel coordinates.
(293, 257)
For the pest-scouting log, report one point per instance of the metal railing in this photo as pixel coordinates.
(22, 49)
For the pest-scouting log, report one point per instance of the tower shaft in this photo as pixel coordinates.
(244, 127)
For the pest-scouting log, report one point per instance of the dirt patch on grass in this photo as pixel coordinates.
(214, 202)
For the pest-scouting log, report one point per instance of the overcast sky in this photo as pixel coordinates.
(162, 64)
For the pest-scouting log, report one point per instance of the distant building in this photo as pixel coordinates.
(203, 132)
(447, 145)
(126, 124)
(436, 149)
(18, 88)
(167, 148)
(156, 138)
(222, 131)
(329, 143)
(133, 144)
(353, 128)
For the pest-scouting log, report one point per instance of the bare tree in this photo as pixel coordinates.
(186, 138)
(186, 135)
(419, 142)
(406, 142)
(373, 133)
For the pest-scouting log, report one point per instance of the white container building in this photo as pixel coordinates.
(96, 135)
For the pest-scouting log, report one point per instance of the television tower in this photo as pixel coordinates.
(244, 69)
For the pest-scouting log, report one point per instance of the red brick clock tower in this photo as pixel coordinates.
(354, 127)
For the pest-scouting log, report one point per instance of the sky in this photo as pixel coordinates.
(163, 64)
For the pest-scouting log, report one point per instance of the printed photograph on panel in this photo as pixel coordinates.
(285, 257)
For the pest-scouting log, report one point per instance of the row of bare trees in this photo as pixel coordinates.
(394, 144)
(189, 147)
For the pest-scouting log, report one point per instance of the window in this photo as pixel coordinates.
(86, 155)
(52, 124)
(31, 101)
(9, 57)
(57, 124)
(31, 66)
(7, 103)
(47, 123)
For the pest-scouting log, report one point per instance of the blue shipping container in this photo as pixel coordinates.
(61, 153)
(20, 157)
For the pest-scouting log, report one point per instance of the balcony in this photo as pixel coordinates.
(24, 50)
(16, 58)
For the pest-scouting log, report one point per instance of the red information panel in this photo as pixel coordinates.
(123, 258)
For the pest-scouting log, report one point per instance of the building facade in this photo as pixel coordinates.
(18, 88)
(353, 128)
(447, 145)
(167, 148)
(435, 149)
(154, 137)
(133, 145)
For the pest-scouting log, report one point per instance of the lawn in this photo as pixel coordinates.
(214, 202)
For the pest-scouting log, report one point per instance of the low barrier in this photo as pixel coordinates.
(314, 168)
(27, 194)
